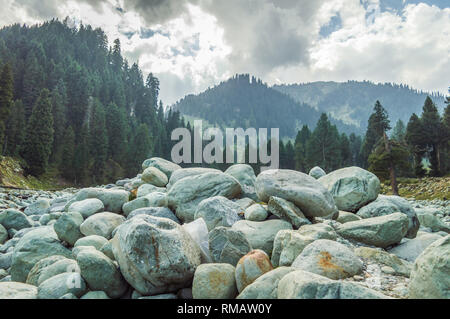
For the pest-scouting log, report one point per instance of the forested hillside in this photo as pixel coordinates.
(244, 101)
(352, 101)
(71, 102)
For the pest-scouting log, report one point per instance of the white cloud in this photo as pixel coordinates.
(197, 43)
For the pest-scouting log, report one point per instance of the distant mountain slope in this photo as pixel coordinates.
(352, 101)
(247, 102)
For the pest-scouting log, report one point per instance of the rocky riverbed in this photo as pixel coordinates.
(202, 233)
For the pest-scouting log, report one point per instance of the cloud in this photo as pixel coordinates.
(193, 44)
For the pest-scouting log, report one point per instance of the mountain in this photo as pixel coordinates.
(352, 102)
(244, 101)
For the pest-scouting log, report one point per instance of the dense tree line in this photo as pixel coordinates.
(70, 102)
(349, 100)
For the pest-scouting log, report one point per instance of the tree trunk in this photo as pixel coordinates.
(391, 166)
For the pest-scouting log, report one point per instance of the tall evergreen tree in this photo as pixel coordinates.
(15, 133)
(378, 124)
(98, 141)
(415, 139)
(39, 135)
(399, 132)
(323, 148)
(432, 132)
(300, 148)
(6, 96)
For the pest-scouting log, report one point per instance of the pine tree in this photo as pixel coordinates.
(59, 126)
(300, 148)
(15, 133)
(39, 135)
(416, 142)
(6, 95)
(399, 132)
(98, 141)
(432, 132)
(142, 147)
(378, 124)
(355, 149)
(116, 126)
(388, 158)
(323, 148)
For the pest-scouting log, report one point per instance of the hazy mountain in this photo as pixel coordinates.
(245, 101)
(352, 101)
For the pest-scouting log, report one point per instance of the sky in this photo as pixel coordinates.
(191, 45)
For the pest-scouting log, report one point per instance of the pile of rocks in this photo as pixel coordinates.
(202, 233)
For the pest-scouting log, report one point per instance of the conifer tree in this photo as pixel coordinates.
(378, 124)
(432, 133)
(6, 96)
(39, 135)
(98, 141)
(15, 133)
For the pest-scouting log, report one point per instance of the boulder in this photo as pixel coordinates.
(385, 205)
(37, 244)
(154, 176)
(154, 199)
(14, 219)
(330, 259)
(318, 231)
(112, 199)
(49, 267)
(156, 212)
(214, 281)
(101, 274)
(411, 249)
(218, 211)
(101, 224)
(256, 213)
(39, 207)
(266, 286)
(93, 240)
(185, 195)
(163, 165)
(379, 256)
(245, 202)
(287, 246)
(317, 172)
(146, 189)
(287, 211)
(352, 187)
(433, 222)
(96, 295)
(313, 199)
(245, 175)
(261, 235)
(87, 207)
(301, 284)
(345, 217)
(430, 275)
(191, 171)
(155, 255)
(227, 245)
(3, 235)
(382, 231)
(251, 267)
(17, 290)
(67, 227)
(62, 284)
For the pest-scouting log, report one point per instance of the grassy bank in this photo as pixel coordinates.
(427, 188)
